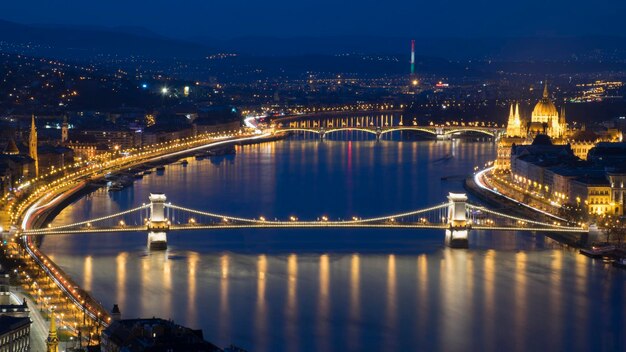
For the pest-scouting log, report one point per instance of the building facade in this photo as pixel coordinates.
(14, 334)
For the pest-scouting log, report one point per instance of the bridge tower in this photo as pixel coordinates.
(157, 224)
(458, 227)
(441, 133)
(379, 132)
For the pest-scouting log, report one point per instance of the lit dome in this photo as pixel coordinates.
(545, 107)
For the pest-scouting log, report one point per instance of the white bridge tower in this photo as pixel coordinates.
(458, 228)
(158, 225)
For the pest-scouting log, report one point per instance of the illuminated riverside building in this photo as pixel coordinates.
(552, 172)
(548, 162)
(546, 120)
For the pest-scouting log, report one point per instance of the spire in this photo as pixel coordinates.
(32, 145)
(517, 118)
(64, 130)
(546, 95)
(52, 342)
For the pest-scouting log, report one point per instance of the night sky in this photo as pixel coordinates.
(284, 18)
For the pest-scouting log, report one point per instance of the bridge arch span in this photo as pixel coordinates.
(409, 128)
(299, 129)
(341, 129)
(465, 130)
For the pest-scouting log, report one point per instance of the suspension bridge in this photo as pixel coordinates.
(380, 125)
(456, 217)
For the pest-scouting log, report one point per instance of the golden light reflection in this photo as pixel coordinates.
(354, 303)
(323, 303)
(167, 285)
(224, 306)
(88, 272)
(355, 287)
(422, 293)
(520, 299)
(260, 325)
(121, 261)
(192, 266)
(489, 298)
(556, 301)
(582, 263)
(392, 297)
(291, 307)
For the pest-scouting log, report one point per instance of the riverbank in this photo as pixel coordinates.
(498, 202)
(47, 280)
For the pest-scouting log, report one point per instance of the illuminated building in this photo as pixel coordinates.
(515, 135)
(32, 145)
(14, 334)
(545, 118)
(514, 126)
(64, 131)
(594, 194)
(554, 173)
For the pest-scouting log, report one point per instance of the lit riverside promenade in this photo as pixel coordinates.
(43, 279)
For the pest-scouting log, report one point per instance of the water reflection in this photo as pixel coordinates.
(489, 301)
(224, 316)
(372, 289)
(392, 299)
(88, 272)
(323, 303)
(261, 305)
(354, 314)
(192, 263)
(520, 300)
(121, 261)
(291, 308)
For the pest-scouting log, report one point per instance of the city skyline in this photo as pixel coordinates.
(312, 176)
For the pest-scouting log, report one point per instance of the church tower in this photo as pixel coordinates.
(562, 122)
(52, 342)
(514, 125)
(32, 145)
(64, 130)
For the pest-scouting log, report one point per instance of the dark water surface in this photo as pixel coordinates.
(343, 290)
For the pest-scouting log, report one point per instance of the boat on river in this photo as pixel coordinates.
(597, 252)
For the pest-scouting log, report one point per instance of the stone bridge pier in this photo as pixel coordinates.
(157, 225)
(458, 227)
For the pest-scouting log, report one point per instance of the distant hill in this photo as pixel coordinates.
(80, 42)
(592, 48)
(83, 41)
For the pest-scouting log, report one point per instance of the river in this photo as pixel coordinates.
(343, 290)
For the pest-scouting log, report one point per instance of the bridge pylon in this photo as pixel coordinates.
(458, 227)
(379, 132)
(322, 133)
(157, 225)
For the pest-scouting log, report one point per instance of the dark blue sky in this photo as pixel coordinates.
(285, 18)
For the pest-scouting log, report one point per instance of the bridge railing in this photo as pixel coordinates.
(132, 217)
(183, 218)
(181, 215)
